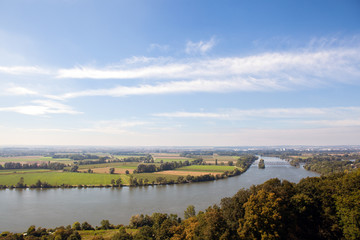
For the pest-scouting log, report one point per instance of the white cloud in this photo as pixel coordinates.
(20, 91)
(199, 47)
(178, 87)
(269, 71)
(332, 116)
(154, 71)
(41, 107)
(20, 70)
(155, 46)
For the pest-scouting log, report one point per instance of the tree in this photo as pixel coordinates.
(127, 172)
(74, 236)
(112, 170)
(189, 212)
(74, 168)
(122, 235)
(105, 224)
(86, 226)
(145, 233)
(20, 184)
(262, 218)
(76, 226)
(231, 163)
(118, 182)
(38, 184)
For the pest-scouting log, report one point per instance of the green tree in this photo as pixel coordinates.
(122, 235)
(21, 184)
(262, 218)
(189, 212)
(105, 224)
(86, 226)
(76, 226)
(74, 168)
(118, 182)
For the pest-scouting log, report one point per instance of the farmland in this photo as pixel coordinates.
(106, 169)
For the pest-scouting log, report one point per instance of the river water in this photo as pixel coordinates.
(56, 207)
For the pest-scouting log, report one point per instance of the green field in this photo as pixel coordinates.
(130, 165)
(34, 159)
(152, 177)
(172, 160)
(206, 168)
(12, 171)
(58, 178)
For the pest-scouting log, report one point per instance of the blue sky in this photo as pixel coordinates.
(166, 73)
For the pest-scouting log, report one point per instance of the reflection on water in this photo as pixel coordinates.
(55, 207)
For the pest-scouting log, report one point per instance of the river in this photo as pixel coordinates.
(59, 207)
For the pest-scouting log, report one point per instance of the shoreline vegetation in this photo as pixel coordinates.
(323, 207)
(92, 171)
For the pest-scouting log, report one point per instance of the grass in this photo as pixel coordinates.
(58, 178)
(12, 171)
(152, 177)
(106, 234)
(206, 168)
(33, 159)
(172, 160)
(128, 156)
(130, 165)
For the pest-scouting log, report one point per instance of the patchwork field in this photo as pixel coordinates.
(58, 178)
(184, 173)
(127, 165)
(206, 168)
(101, 172)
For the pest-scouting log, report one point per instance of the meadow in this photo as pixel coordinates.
(34, 159)
(206, 168)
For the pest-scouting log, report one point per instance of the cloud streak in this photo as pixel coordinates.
(265, 72)
(23, 70)
(199, 47)
(20, 91)
(41, 107)
(283, 66)
(332, 116)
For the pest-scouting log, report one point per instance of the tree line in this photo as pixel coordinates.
(327, 164)
(43, 165)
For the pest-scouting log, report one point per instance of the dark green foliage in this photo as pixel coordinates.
(146, 168)
(261, 164)
(245, 161)
(74, 168)
(189, 212)
(122, 235)
(86, 226)
(144, 233)
(43, 165)
(105, 224)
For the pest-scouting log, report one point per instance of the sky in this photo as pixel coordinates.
(180, 72)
